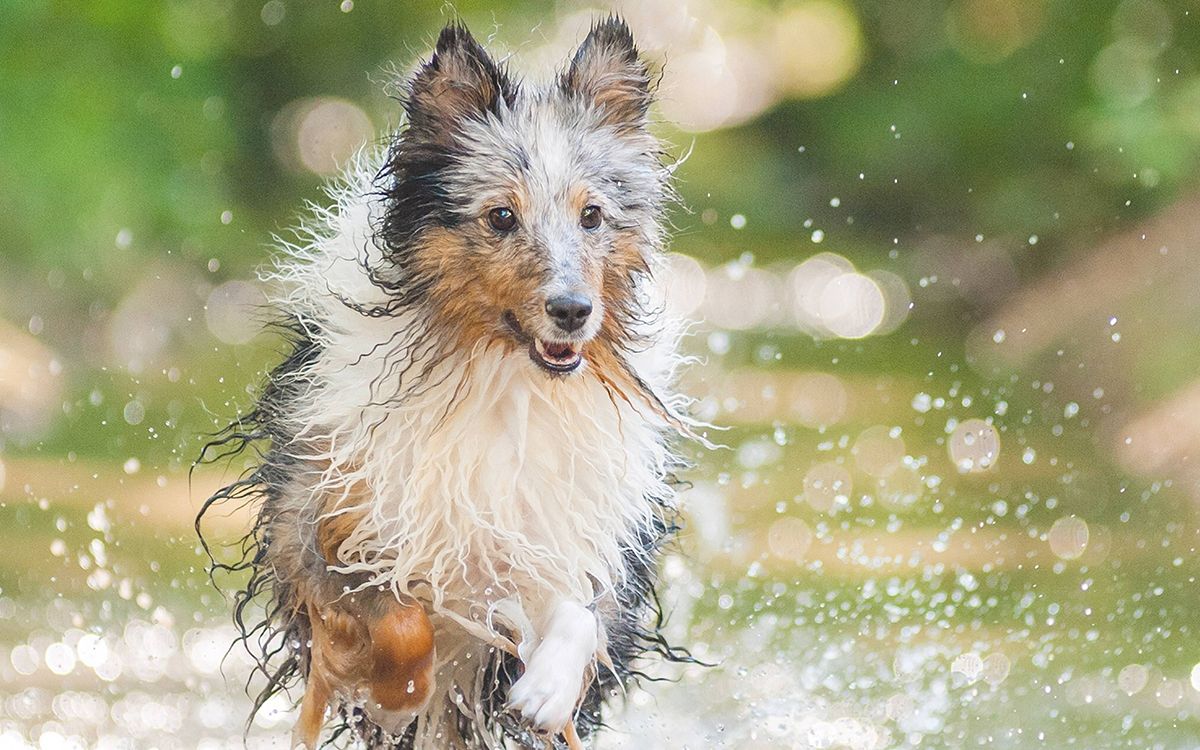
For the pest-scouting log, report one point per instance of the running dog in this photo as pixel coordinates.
(465, 467)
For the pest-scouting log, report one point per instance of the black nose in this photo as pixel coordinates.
(570, 311)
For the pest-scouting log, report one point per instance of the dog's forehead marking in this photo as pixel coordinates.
(556, 143)
(555, 147)
(542, 147)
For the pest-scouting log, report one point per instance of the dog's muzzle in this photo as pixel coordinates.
(555, 357)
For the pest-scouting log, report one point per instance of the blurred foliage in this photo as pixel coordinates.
(951, 131)
(135, 135)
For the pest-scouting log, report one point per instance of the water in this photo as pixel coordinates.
(891, 551)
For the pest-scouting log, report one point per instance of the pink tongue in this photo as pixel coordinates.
(559, 351)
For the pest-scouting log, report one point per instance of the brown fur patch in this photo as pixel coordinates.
(381, 652)
(473, 288)
(607, 70)
(460, 82)
(386, 660)
(402, 652)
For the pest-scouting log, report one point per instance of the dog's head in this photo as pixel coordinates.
(526, 215)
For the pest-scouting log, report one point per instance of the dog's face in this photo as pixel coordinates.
(526, 215)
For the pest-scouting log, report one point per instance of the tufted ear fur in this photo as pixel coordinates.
(608, 74)
(459, 82)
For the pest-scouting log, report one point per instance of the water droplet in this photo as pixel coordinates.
(1068, 537)
(974, 445)
(789, 538)
(995, 668)
(1133, 678)
(134, 412)
(922, 402)
(968, 665)
(878, 452)
(826, 486)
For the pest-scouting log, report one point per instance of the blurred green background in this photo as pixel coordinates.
(944, 259)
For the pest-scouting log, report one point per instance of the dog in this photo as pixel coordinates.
(466, 462)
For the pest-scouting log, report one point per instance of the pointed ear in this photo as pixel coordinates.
(459, 82)
(607, 73)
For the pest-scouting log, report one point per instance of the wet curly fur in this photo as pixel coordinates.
(408, 420)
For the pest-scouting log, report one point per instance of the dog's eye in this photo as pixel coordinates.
(590, 217)
(502, 219)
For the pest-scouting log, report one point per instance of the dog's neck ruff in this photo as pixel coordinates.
(497, 482)
(488, 489)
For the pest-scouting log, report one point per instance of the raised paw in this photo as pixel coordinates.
(546, 694)
(548, 691)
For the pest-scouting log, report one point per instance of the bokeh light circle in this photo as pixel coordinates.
(974, 446)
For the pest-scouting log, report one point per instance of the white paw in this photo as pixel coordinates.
(546, 695)
(548, 691)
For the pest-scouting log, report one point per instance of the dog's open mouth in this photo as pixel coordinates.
(554, 357)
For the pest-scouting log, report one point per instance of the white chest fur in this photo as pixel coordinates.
(500, 478)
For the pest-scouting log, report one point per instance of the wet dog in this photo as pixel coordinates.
(466, 459)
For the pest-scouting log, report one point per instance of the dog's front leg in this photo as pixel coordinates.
(555, 668)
